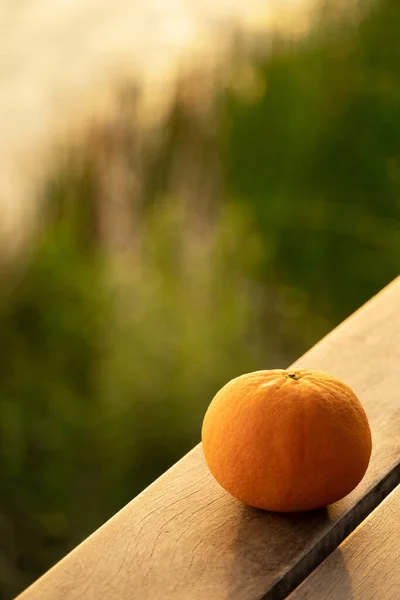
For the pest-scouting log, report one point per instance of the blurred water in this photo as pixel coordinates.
(59, 59)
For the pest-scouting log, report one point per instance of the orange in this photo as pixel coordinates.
(287, 441)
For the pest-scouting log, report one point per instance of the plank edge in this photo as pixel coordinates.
(336, 535)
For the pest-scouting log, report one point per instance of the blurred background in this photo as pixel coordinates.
(187, 192)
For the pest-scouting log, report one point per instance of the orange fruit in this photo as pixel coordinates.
(287, 441)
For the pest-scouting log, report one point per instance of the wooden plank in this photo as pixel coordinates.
(184, 537)
(366, 565)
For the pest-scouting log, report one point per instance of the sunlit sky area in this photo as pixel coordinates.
(59, 59)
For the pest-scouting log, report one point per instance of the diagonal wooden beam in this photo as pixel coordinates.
(184, 537)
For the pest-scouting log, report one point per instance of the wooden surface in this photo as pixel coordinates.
(366, 566)
(184, 537)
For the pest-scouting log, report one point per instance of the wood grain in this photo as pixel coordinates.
(184, 537)
(366, 565)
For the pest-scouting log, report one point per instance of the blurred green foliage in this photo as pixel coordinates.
(109, 360)
(318, 160)
(257, 225)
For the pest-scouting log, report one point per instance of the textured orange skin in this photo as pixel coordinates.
(285, 444)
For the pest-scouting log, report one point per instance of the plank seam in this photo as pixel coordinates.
(340, 531)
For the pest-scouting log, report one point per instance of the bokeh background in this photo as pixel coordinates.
(215, 219)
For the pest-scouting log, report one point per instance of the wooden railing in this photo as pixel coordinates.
(184, 537)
